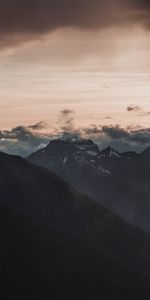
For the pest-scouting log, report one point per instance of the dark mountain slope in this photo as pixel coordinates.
(39, 262)
(117, 253)
(40, 192)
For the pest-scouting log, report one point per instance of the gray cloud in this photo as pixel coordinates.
(123, 139)
(22, 20)
(23, 140)
(67, 112)
(141, 136)
(134, 108)
(38, 126)
(66, 120)
(120, 138)
(108, 118)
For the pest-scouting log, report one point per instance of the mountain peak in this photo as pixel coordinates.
(110, 152)
(73, 144)
(69, 140)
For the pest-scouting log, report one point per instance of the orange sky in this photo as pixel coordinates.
(96, 74)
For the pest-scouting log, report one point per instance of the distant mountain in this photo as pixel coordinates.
(62, 156)
(83, 252)
(110, 153)
(118, 181)
(146, 154)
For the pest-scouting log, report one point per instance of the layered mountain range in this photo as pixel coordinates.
(58, 244)
(118, 181)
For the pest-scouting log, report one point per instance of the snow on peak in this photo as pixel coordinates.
(65, 160)
(114, 153)
(90, 152)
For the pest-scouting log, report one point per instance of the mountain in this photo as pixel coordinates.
(77, 250)
(63, 155)
(146, 154)
(39, 262)
(118, 181)
(110, 153)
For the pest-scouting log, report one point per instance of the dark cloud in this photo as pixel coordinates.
(67, 112)
(38, 16)
(119, 138)
(142, 6)
(21, 20)
(141, 136)
(122, 139)
(66, 120)
(38, 126)
(134, 108)
(23, 140)
(118, 133)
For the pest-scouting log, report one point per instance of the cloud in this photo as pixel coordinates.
(22, 20)
(134, 108)
(38, 126)
(141, 136)
(23, 140)
(123, 139)
(66, 120)
(108, 118)
(67, 112)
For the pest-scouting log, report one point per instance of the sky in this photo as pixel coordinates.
(83, 63)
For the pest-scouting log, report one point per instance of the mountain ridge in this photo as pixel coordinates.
(118, 181)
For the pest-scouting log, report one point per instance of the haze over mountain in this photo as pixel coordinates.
(83, 244)
(118, 181)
